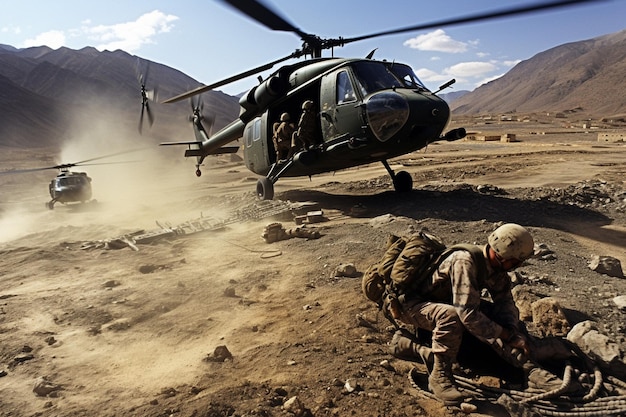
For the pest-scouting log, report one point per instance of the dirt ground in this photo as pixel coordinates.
(119, 332)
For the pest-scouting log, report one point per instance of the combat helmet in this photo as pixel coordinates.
(512, 241)
(307, 105)
(284, 117)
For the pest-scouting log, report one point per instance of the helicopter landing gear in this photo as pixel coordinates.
(402, 181)
(265, 189)
(50, 204)
(198, 172)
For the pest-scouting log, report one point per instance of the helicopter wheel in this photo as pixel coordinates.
(198, 172)
(403, 182)
(265, 189)
(50, 205)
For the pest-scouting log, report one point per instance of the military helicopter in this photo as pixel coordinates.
(366, 110)
(69, 186)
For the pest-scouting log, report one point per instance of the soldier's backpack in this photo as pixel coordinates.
(407, 262)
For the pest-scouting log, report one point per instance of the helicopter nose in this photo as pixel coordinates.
(387, 112)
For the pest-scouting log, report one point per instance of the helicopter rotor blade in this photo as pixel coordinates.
(108, 156)
(471, 18)
(229, 80)
(263, 14)
(313, 44)
(73, 164)
(146, 95)
(107, 163)
(150, 115)
(22, 171)
(143, 107)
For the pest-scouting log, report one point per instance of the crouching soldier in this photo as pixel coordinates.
(449, 303)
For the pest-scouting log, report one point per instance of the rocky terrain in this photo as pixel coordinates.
(222, 323)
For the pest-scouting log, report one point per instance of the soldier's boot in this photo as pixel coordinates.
(405, 347)
(441, 384)
(544, 380)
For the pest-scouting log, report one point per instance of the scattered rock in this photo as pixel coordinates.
(347, 270)
(620, 302)
(549, 318)
(111, 284)
(524, 299)
(45, 388)
(24, 357)
(294, 405)
(220, 354)
(607, 265)
(352, 385)
(599, 347)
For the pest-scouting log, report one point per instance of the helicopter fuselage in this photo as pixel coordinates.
(70, 187)
(365, 111)
(364, 115)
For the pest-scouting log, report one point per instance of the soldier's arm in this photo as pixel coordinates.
(466, 299)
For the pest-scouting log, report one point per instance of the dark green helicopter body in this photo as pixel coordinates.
(366, 110)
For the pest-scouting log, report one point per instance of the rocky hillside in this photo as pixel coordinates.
(48, 95)
(588, 75)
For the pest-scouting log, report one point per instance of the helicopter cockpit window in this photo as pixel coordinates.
(257, 130)
(374, 76)
(345, 91)
(253, 132)
(65, 181)
(407, 76)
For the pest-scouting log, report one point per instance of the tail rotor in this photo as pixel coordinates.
(146, 97)
(198, 116)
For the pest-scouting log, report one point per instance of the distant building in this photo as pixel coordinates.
(508, 137)
(612, 137)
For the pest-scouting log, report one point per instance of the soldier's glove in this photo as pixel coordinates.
(515, 340)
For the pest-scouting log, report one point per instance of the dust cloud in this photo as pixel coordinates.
(132, 179)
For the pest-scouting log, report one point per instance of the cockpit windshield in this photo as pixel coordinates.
(70, 180)
(374, 76)
(406, 75)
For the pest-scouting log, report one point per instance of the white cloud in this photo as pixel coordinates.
(429, 76)
(53, 39)
(15, 30)
(465, 73)
(511, 64)
(488, 79)
(130, 36)
(471, 69)
(438, 41)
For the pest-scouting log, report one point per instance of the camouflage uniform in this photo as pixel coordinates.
(306, 126)
(450, 302)
(282, 139)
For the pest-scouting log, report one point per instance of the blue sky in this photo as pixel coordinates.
(210, 41)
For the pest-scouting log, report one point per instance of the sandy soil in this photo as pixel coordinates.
(133, 333)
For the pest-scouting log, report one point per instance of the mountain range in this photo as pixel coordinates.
(48, 96)
(588, 75)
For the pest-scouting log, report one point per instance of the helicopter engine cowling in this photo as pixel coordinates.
(261, 96)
